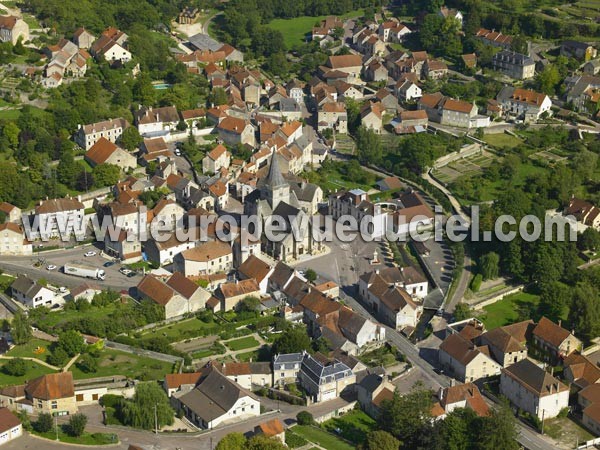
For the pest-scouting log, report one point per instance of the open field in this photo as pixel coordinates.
(473, 165)
(36, 348)
(295, 30)
(34, 370)
(115, 362)
(506, 311)
(321, 438)
(352, 426)
(242, 343)
(500, 140)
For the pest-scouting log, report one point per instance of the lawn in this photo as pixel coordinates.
(84, 439)
(506, 311)
(36, 348)
(566, 431)
(114, 362)
(34, 370)
(243, 343)
(247, 356)
(500, 140)
(295, 30)
(185, 329)
(321, 438)
(352, 426)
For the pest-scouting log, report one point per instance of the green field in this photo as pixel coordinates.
(501, 140)
(85, 439)
(321, 438)
(506, 311)
(34, 370)
(295, 30)
(36, 348)
(185, 329)
(242, 343)
(114, 362)
(352, 426)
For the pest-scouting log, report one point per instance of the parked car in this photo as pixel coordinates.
(125, 271)
(109, 263)
(90, 253)
(62, 290)
(51, 267)
(131, 274)
(177, 152)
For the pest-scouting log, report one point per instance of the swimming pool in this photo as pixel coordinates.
(162, 86)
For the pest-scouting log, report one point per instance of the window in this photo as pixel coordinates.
(79, 397)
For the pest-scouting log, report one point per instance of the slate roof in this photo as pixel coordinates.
(534, 378)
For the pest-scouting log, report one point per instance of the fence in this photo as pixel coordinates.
(178, 136)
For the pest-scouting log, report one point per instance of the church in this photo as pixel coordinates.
(275, 197)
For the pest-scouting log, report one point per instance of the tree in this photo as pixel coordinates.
(88, 364)
(71, 342)
(305, 418)
(77, 423)
(131, 139)
(261, 442)
(490, 265)
(462, 312)
(310, 275)
(218, 96)
(498, 430)
(589, 239)
(232, 441)
(58, 357)
(368, 146)
(44, 423)
(380, 440)
(106, 174)
(407, 417)
(16, 367)
(249, 304)
(584, 314)
(293, 340)
(20, 328)
(547, 80)
(555, 297)
(139, 411)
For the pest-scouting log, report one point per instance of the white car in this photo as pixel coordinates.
(125, 271)
(90, 253)
(177, 152)
(62, 290)
(51, 267)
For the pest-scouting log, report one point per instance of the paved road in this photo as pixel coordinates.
(16, 265)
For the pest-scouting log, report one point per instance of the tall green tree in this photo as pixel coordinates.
(20, 328)
(490, 265)
(407, 417)
(294, 339)
(131, 139)
(71, 342)
(232, 441)
(77, 423)
(380, 440)
(139, 411)
(584, 314)
(368, 146)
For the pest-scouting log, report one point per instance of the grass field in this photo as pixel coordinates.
(242, 343)
(36, 348)
(34, 370)
(84, 439)
(352, 426)
(183, 330)
(500, 140)
(506, 311)
(295, 30)
(114, 362)
(321, 438)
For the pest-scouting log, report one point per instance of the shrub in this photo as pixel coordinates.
(110, 400)
(44, 423)
(16, 367)
(58, 357)
(476, 283)
(292, 440)
(87, 364)
(305, 418)
(77, 423)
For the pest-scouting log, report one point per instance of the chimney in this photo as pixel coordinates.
(559, 322)
(377, 271)
(441, 394)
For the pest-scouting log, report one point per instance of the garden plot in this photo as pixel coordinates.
(466, 166)
(549, 156)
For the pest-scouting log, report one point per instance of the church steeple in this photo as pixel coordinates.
(277, 189)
